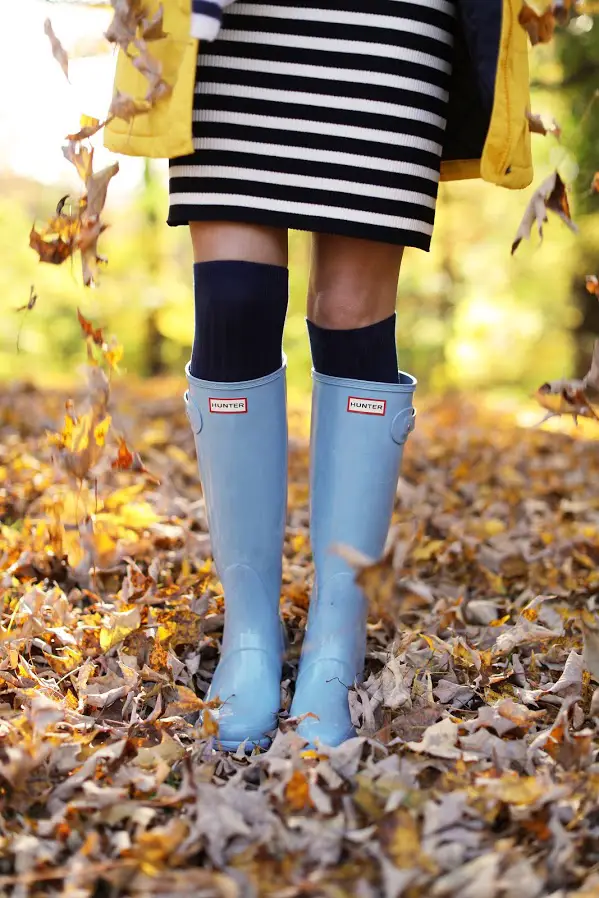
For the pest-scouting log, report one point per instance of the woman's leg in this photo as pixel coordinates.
(361, 416)
(236, 406)
(351, 307)
(241, 284)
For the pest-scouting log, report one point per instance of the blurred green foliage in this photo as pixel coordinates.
(469, 315)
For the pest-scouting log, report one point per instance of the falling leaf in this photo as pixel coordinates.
(561, 10)
(88, 127)
(30, 304)
(81, 157)
(94, 334)
(539, 28)
(58, 51)
(97, 186)
(595, 183)
(122, 30)
(550, 195)
(130, 461)
(125, 107)
(152, 27)
(592, 284)
(540, 124)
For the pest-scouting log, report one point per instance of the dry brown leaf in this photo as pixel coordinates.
(152, 26)
(562, 9)
(550, 195)
(595, 183)
(88, 127)
(81, 157)
(58, 51)
(590, 629)
(541, 124)
(539, 28)
(97, 186)
(128, 14)
(126, 107)
(592, 284)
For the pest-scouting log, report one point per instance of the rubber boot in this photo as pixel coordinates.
(241, 442)
(358, 433)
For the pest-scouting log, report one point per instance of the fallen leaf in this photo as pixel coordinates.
(297, 792)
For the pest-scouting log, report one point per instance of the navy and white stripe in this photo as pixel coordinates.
(206, 18)
(320, 115)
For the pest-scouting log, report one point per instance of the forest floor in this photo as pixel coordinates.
(476, 769)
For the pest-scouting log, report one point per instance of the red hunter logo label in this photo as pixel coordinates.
(228, 406)
(363, 406)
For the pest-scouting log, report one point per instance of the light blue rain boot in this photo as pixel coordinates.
(241, 441)
(357, 437)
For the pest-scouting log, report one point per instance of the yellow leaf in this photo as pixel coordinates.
(494, 526)
(401, 840)
(186, 702)
(500, 621)
(122, 623)
(428, 550)
(101, 430)
(521, 790)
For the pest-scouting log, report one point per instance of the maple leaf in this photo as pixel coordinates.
(539, 28)
(550, 195)
(58, 51)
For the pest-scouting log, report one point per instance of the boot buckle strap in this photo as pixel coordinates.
(193, 413)
(403, 424)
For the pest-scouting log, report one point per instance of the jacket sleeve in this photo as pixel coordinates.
(206, 18)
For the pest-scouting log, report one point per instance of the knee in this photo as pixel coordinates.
(335, 310)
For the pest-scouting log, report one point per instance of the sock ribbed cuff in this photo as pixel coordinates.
(362, 353)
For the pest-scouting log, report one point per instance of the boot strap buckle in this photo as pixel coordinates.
(403, 424)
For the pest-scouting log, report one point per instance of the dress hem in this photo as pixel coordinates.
(184, 215)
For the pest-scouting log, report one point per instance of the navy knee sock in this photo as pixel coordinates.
(240, 310)
(363, 353)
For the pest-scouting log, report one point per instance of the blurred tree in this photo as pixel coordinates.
(578, 52)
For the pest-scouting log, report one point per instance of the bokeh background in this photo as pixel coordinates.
(470, 316)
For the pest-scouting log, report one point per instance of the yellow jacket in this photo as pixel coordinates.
(502, 156)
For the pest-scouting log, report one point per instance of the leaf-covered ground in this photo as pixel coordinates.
(476, 771)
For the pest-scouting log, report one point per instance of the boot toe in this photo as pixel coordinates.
(248, 684)
(322, 690)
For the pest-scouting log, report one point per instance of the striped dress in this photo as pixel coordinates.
(321, 115)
